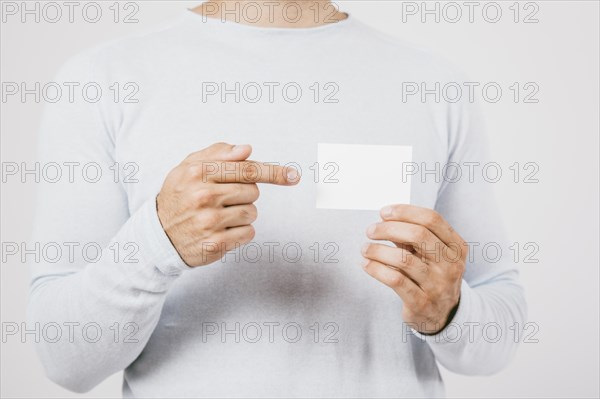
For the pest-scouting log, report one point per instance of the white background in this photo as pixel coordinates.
(560, 134)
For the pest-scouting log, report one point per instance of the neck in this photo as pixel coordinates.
(273, 13)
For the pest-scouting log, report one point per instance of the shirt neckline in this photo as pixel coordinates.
(218, 23)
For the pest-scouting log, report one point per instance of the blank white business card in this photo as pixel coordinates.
(362, 177)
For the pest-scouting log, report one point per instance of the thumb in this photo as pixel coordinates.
(222, 152)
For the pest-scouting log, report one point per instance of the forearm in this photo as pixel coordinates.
(120, 297)
(480, 339)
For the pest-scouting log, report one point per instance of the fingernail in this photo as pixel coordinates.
(292, 175)
(364, 262)
(364, 248)
(386, 211)
(371, 230)
(238, 149)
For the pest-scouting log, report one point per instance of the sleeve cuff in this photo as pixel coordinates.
(159, 250)
(452, 333)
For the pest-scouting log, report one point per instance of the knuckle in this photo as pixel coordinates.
(225, 243)
(255, 191)
(368, 249)
(367, 266)
(248, 234)
(250, 171)
(398, 281)
(395, 210)
(211, 248)
(378, 229)
(244, 213)
(236, 190)
(205, 198)
(408, 259)
(191, 156)
(251, 212)
(209, 219)
(433, 219)
(194, 169)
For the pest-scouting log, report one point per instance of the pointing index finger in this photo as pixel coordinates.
(250, 172)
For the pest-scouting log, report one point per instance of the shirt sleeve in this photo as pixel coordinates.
(480, 339)
(105, 290)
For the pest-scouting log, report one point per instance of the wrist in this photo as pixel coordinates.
(447, 320)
